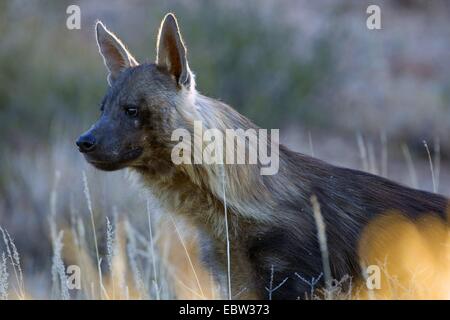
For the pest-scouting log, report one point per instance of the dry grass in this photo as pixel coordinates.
(126, 248)
(414, 258)
(149, 255)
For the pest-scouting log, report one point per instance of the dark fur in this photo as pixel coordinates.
(349, 200)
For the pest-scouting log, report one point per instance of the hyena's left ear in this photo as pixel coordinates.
(171, 52)
(115, 55)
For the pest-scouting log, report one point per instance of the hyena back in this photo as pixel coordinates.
(271, 227)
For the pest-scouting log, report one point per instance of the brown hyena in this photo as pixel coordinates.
(269, 218)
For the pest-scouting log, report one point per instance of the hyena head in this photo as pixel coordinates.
(139, 110)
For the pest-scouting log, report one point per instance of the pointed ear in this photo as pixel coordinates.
(115, 56)
(171, 52)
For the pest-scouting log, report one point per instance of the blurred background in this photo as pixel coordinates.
(360, 98)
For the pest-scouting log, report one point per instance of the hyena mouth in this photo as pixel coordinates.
(118, 163)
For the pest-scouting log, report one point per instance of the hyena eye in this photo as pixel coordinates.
(131, 111)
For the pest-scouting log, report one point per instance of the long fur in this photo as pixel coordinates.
(272, 230)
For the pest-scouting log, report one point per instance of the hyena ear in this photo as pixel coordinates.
(171, 52)
(115, 56)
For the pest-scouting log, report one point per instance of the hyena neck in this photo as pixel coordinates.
(240, 186)
(202, 190)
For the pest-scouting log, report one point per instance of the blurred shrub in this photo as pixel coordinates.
(229, 51)
(45, 76)
(52, 78)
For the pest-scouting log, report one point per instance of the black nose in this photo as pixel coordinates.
(86, 143)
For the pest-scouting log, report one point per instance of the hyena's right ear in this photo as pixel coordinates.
(115, 56)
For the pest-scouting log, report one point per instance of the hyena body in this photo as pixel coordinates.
(271, 227)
